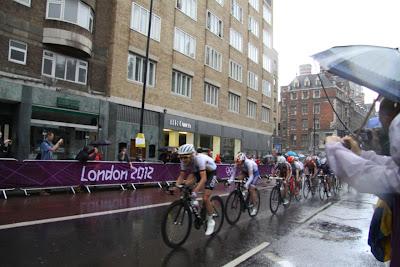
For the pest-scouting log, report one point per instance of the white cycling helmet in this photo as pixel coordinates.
(186, 149)
(281, 159)
(240, 157)
(309, 158)
(323, 161)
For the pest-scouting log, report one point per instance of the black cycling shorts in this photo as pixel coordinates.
(211, 179)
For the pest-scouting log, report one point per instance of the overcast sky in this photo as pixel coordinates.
(303, 28)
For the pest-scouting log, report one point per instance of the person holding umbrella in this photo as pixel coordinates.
(376, 68)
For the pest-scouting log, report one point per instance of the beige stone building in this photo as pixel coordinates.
(212, 75)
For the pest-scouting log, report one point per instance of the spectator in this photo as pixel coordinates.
(95, 154)
(5, 146)
(83, 155)
(47, 148)
(218, 159)
(124, 157)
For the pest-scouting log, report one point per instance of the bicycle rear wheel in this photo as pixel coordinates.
(297, 190)
(233, 207)
(255, 205)
(218, 212)
(176, 224)
(274, 199)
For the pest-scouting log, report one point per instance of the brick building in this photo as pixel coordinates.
(76, 66)
(307, 117)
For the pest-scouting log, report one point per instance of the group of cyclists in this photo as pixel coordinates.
(199, 170)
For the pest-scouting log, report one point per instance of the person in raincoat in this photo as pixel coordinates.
(371, 173)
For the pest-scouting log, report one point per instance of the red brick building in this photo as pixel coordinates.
(307, 117)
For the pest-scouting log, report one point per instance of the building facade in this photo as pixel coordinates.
(307, 116)
(211, 76)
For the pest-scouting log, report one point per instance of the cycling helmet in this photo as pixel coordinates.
(240, 157)
(296, 158)
(323, 161)
(281, 159)
(309, 159)
(290, 159)
(186, 149)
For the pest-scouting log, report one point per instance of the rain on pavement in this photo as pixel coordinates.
(308, 233)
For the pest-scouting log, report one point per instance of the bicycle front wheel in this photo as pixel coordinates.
(176, 224)
(274, 199)
(233, 207)
(306, 188)
(322, 191)
(218, 212)
(255, 205)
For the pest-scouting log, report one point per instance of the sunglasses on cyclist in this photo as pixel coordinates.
(185, 157)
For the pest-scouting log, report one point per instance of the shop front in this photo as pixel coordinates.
(178, 131)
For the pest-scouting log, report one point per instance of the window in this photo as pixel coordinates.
(317, 82)
(136, 70)
(304, 140)
(181, 84)
(316, 108)
(307, 82)
(267, 63)
(316, 124)
(293, 139)
(17, 52)
(252, 80)
(64, 68)
(211, 94)
(24, 2)
(293, 96)
(267, 15)
(253, 26)
(293, 124)
(267, 41)
(214, 24)
(304, 95)
(72, 11)
(265, 114)
(293, 110)
(304, 109)
(213, 58)
(316, 94)
(184, 43)
(235, 71)
(221, 2)
(304, 123)
(296, 83)
(234, 103)
(237, 11)
(251, 109)
(266, 90)
(140, 22)
(253, 53)
(189, 7)
(254, 4)
(235, 40)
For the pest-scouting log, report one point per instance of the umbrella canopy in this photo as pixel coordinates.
(302, 156)
(373, 123)
(374, 67)
(292, 153)
(100, 143)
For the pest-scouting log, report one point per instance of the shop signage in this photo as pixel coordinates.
(179, 123)
(67, 103)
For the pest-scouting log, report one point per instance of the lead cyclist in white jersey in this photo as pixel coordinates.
(249, 169)
(202, 169)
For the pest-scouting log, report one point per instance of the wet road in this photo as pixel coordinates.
(309, 233)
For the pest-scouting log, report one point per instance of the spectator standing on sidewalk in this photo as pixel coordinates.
(124, 157)
(47, 148)
(5, 146)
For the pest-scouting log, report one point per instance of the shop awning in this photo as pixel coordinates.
(45, 123)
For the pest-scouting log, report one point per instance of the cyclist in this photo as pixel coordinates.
(249, 169)
(200, 168)
(299, 166)
(326, 171)
(295, 169)
(283, 170)
(310, 168)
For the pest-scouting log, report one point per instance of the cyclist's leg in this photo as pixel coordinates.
(209, 186)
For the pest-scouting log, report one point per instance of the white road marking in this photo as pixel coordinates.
(277, 260)
(247, 255)
(316, 212)
(86, 215)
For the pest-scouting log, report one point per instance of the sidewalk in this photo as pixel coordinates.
(35, 207)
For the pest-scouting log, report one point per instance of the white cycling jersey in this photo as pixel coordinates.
(200, 162)
(249, 167)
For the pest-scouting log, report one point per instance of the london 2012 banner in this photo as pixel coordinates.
(33, 173)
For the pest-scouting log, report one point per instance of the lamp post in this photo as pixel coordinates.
(313, 132)
(140, 139)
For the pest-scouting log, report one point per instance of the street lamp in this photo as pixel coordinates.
(140, 139)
